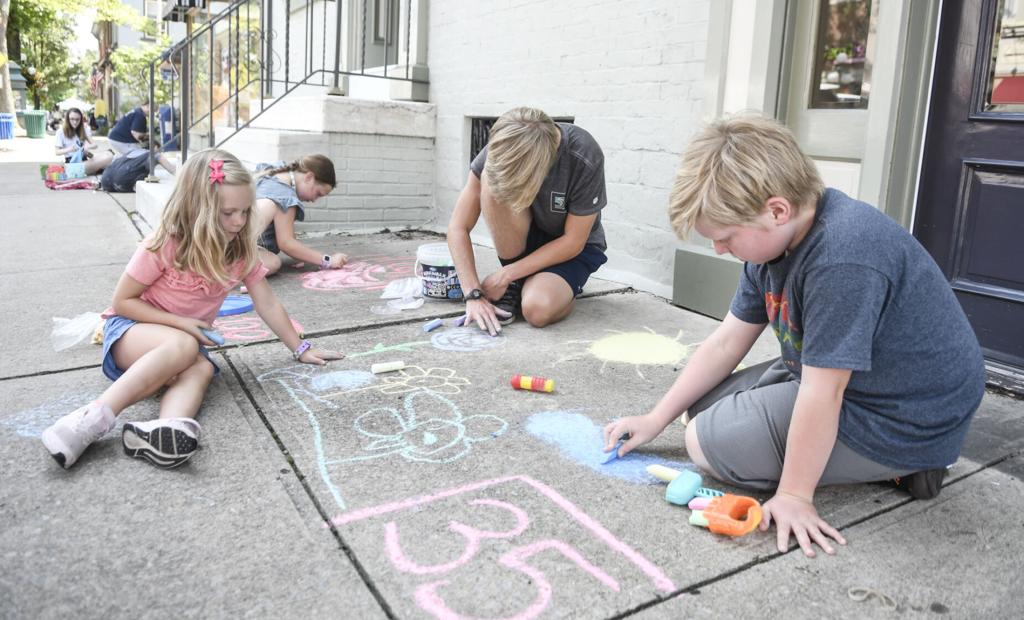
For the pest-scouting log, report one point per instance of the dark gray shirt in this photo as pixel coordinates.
(574, 185)
(860, 293)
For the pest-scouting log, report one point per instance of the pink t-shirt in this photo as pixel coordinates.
(181, 292)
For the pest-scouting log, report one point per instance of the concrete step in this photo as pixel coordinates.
(254, 145)
(322, 113)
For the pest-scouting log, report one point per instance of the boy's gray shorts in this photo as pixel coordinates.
(742, 425)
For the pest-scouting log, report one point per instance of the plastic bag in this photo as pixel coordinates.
(69, 332)
(403, 288)
(75, 171)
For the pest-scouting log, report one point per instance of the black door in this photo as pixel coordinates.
(970, 207)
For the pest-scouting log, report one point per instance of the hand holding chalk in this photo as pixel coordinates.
(631, 432)
(214, 335)
(608, 457)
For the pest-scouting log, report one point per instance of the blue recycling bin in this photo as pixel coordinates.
(6, 126)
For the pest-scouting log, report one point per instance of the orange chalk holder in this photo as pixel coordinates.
(533, 384)
(732, 515)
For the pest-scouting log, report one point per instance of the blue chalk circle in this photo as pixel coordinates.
(343, 380)
(214, 335)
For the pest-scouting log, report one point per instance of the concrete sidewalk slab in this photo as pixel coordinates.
(462, 495)
(30, 302)
(959, 556)
(101, 232)
(23, 179)
(227, 534)
(398, 456)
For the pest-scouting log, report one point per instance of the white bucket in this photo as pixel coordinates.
(436, 269)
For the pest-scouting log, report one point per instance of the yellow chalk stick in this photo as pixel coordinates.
(665, 474)
(386, 367)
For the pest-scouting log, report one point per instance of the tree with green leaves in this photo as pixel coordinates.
(38, 31)
(131, 68)
(6, 94)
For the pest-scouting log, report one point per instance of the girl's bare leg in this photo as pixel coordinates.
(153, 355)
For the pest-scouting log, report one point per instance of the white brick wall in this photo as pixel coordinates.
(631, 73)
(383, 154)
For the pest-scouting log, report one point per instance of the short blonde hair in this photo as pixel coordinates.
(731, 169)
(192, 218)
(520, 152)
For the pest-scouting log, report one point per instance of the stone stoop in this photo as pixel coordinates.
(383, 152)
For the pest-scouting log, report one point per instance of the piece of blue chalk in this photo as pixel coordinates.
(608, 457)
(459, 322)
(432, 325)
(214, 335)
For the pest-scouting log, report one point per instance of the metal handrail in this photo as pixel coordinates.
(255, 49)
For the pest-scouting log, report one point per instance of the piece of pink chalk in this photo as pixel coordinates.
(699, 503)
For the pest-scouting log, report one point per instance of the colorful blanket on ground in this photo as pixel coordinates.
(62, 172)
(72, 184)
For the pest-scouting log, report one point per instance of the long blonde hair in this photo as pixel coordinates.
(191, 218)
(520, 151)
(731, 169)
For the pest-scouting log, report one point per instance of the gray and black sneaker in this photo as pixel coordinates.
(510, 302)
(922, 484)
(165, 443)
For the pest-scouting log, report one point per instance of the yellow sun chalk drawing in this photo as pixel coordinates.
(638, 348)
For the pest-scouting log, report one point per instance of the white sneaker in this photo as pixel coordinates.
(69, 436)
(166, 443)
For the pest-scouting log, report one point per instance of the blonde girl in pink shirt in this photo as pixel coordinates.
(169, 293)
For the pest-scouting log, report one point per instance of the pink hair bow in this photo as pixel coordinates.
(216, 171)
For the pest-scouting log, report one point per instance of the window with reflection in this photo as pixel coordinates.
(843, 46)
(1006, 77)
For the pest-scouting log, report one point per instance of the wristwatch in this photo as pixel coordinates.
(475, 294)
(325, 261)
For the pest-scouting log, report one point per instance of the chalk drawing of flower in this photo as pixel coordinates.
(430, 428)
(412, 378)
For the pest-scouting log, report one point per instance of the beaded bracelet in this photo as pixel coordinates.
(303, 347)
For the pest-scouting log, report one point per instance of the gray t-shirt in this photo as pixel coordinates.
(283, 195)
(860, 293)
(574, 185)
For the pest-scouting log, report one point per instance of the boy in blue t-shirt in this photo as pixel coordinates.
(880, 371)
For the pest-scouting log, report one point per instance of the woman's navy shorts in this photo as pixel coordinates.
(578, 269)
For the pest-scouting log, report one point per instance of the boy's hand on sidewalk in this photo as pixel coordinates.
(485, 315)
(640, 428)
(798, 516)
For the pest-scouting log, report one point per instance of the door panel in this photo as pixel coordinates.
(970, 207)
